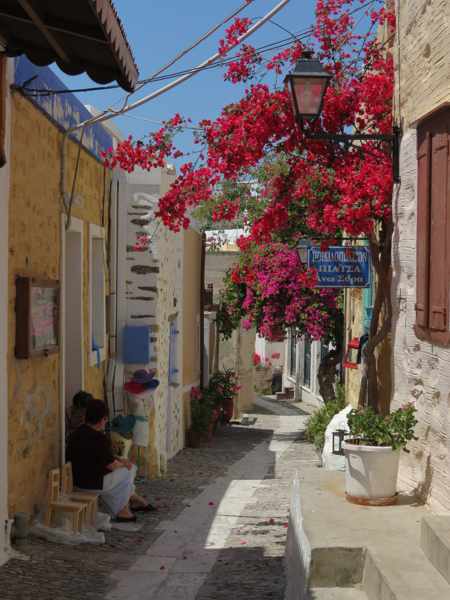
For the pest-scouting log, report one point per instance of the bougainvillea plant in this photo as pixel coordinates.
(324, 190)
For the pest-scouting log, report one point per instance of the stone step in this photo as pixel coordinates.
(435, 542)
(332, 542)
(337, 593)
(401, 572)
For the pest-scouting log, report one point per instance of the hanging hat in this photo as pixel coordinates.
(143, 376)
(151, 385)
(134, 388)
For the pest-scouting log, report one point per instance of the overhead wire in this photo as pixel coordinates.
(157, 77)
(110, 112)
(211, 62)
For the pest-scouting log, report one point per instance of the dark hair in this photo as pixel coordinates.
(95, 411)
(81, 399)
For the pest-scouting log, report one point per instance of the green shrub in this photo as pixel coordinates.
(395, 429)
(319, 420)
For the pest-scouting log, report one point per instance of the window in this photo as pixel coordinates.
(433, 221)
(97, 291)
(3, 93)
(292, 354)
(307, 363)
(173, 352)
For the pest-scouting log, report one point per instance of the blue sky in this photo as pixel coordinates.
(158, 29)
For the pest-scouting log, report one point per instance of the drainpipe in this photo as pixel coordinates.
(202, 311)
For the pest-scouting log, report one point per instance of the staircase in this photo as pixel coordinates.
(339, 551)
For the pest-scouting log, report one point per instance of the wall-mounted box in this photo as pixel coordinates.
(37, 317)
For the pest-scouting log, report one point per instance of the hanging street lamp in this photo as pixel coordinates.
(307, 86)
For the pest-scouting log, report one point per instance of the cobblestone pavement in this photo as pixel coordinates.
(231, 545)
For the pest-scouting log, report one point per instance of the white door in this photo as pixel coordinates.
(72, 329)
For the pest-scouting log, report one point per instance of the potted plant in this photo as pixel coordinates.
(222, 389)
(201, 411)
(372, 454)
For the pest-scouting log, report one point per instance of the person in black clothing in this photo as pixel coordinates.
(96, 468)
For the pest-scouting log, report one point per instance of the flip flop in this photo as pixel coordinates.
(132, 519)
(146, 508)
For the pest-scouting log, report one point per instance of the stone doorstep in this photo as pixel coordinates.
(336, 593)
(332, 543)
(435, 542)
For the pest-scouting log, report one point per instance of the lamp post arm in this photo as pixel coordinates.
(393, 138)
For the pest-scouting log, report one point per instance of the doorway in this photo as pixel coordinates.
(72, 317)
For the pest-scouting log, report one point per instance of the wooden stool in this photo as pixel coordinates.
(57, 503)
(90, 499)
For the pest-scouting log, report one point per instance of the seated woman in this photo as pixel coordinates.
(95, 468)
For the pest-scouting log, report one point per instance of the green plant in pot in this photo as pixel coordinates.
(372, 453)
(201, 411)
(222, 389)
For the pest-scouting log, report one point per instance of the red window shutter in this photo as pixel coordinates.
(3, 64)
(438, 226)
(423, 227)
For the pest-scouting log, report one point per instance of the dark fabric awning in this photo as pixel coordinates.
(79, 35)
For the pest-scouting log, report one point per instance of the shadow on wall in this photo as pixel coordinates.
(423, 488)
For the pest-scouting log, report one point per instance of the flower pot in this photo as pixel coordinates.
(194, 438)
(371, 474)
(228, 410)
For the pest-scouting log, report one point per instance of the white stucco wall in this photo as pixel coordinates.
(149, 288)
(421, 371)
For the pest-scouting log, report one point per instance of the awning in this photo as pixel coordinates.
(79, 35)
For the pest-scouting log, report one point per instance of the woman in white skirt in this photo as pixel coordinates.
(95, 467)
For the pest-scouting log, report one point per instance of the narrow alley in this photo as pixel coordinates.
(220, 530)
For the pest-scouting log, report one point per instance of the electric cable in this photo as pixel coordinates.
(302, 34)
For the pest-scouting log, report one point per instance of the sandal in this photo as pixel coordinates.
(146, 508)
(132, 519)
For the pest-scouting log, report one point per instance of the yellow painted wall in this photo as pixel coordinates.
(353, 328)
(35, 250)
(192, 249)
(354, 319)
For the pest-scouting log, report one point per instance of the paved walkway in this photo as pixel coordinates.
(220, 531)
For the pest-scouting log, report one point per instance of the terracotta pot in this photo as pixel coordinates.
(194, 438)
(228, 410)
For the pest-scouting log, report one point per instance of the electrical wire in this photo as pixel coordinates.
(111, 113)
(266, 48)
(302, 34)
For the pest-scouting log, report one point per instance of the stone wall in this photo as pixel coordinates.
(422, 58)
(421, 371)
(35, 436)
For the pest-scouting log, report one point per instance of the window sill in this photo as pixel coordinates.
(93, 358)
(436, 338)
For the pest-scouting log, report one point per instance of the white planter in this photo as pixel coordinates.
(371, 474)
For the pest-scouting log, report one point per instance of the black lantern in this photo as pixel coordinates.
(302, 251)
(339, 437)
(307, 86)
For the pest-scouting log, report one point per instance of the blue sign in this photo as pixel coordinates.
(64, 109)
(341, 266)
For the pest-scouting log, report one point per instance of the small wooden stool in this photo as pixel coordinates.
(57, 503)
(90, 499)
